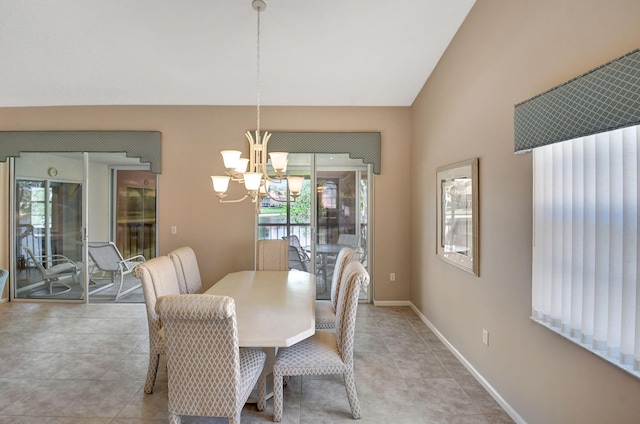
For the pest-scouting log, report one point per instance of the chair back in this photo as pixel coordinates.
(158, 276)
(345, 256)
(348, 239)
(203, 364)
(105, 255)
(186, 264)
(354, 278)
(36, 260)
(272, 255)
(296, 261)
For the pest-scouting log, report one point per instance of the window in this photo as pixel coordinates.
(585, 254)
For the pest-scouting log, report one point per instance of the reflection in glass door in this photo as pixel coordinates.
(135, 221)
(342, 211)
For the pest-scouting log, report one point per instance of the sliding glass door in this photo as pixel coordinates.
(60, 202)
(48, 219)
(331, 212)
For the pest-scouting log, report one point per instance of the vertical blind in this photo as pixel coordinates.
(585, 254)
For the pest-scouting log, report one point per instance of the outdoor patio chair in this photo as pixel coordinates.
(53, 268)
(107, 258)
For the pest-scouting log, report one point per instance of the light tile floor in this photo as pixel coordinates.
(73, 364)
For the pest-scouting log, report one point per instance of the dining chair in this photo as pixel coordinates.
(326, 352)
(208, 374)
(186, 264)
(4, 274)
(272, 255)
(326, 308)
(159, 278)
(108, 259)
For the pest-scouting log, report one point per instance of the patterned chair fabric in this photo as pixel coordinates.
(208, 374)
(272, 255)
(326, 352)
(326, 309)
(186, 264)
(159, 278)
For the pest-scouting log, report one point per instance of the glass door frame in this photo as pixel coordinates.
(13, 257)
(85, 181)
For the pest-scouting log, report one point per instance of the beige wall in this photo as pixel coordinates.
(506, 52)
(223, 235)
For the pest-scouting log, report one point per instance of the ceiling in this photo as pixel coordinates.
(203, 52)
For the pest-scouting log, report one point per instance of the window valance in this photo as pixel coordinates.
(359, 145)
(603, 99)
(145, 145)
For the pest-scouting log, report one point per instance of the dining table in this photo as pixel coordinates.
(274, 309)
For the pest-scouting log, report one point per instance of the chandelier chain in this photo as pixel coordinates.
(258, 76)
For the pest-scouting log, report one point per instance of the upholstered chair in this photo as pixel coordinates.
(272, 255)
(186, 264)
(159, 278)
(326, 352)
(208, 374)
(326, 309)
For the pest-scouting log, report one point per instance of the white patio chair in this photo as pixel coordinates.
(107, 258)
(52, 268)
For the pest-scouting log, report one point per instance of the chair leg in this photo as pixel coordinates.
(352, 395)
(154, 360)
(277, 397)
(262, 392)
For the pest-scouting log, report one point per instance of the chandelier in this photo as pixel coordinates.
(252, 172)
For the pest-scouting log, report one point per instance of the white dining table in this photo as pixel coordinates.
(273, 308)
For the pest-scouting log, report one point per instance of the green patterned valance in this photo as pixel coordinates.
(603, 99)
(359, 145)
(145, 145)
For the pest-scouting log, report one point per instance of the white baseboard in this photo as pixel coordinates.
(392, 303)
(492, 391)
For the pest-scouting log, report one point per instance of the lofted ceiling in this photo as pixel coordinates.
(203, 52)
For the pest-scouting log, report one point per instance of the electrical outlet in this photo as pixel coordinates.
(392, 276)
(174, 229)
(485, 337)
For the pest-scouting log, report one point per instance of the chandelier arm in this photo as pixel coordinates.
(234, 200)
(266, 193)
